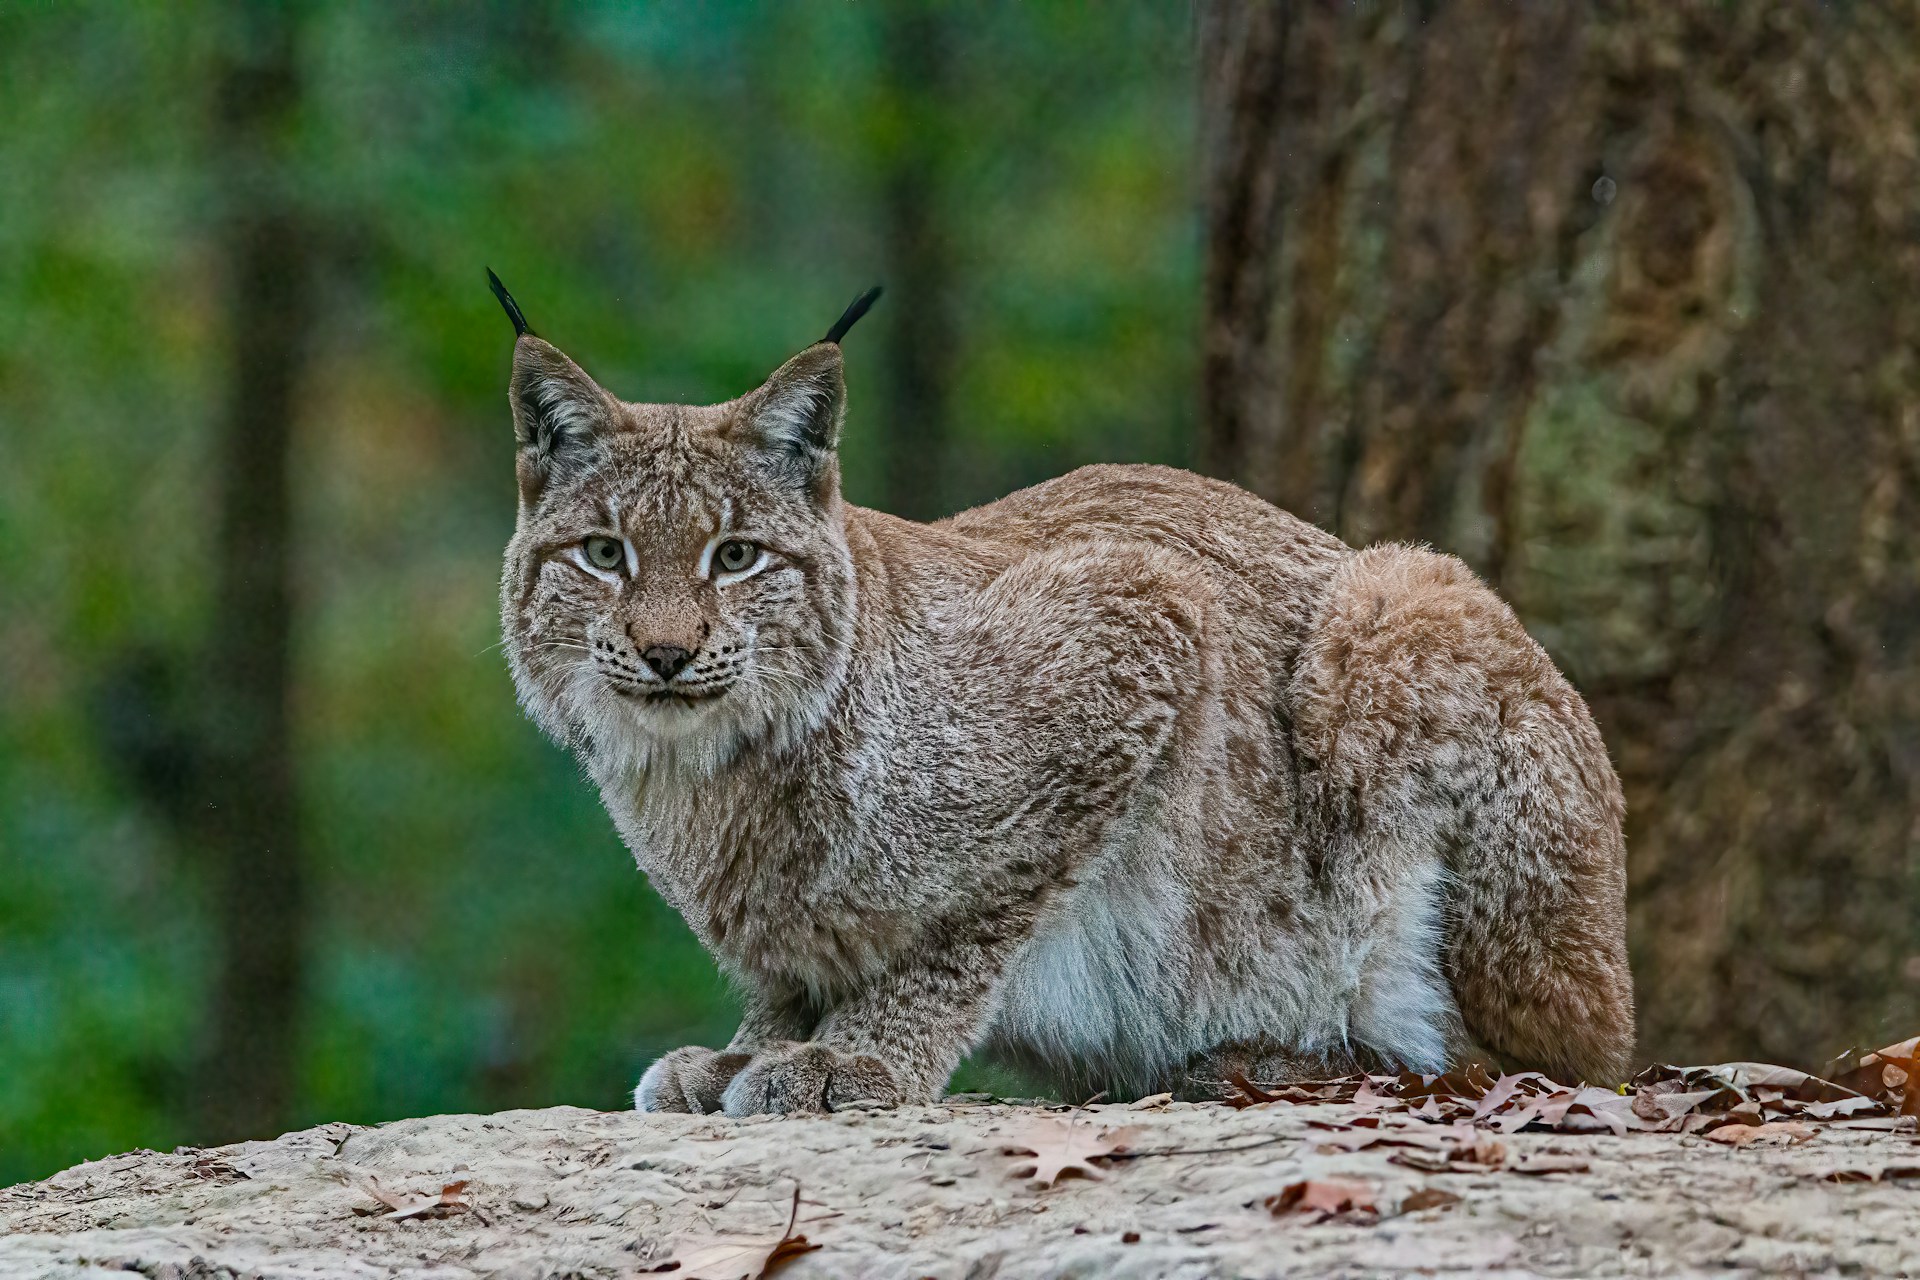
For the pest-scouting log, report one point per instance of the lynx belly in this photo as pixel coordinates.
(1109, 987)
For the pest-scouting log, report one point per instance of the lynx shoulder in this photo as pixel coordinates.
(1129, 777)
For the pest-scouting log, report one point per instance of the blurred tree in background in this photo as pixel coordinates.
(1620, 302)
(1617, 301)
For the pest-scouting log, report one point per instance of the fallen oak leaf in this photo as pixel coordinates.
(1880, 1124)
(1899, 1070)
(1425, 1162)
(1486, 1155)
(1745, 1135)
(741, 1257)
(1886, 1075)
(1318, 1199)
(1466, 1153)
(1593, 1109)
(1367, 1098)
(1658, 1107)
(1582, 1110)
(737, 1258)
(1511, 1089)
(450, 1200)
(1841, 1107)
(1749, 1077)
(1248, 1093)
(414, 1204)
(1466, 1086)
(371, 1185)
(1892, 1173)
(1058, 1149)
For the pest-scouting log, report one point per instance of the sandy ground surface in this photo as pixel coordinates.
(931, 1191)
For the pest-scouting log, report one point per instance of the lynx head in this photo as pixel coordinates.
(678, 585)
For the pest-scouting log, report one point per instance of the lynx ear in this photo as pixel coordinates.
(796, 414)
(557, 408)
(558, 411)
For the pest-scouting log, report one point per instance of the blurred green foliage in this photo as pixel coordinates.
(681, 196)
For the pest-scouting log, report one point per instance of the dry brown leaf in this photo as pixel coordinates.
(1507, 1089)
(1892, 1173)
(1464, 1150)
(1367, 1098)
(1745, 1135)
(1840, 1107)
(1660, 1106)
(1426, 1162)
(1060, 1148)
(1428, 1198)
(1471, 1084)
(415, 1204)
(740, 1257)
(1899, 1073)
(1486, 1153)
(1246, 1092)
(1317, 1199)
(1881, 1124)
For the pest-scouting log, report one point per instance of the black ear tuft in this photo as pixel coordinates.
(520, 326)
(851, 316)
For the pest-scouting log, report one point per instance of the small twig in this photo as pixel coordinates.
(1196, 1151)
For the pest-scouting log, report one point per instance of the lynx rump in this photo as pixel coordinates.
(1129, 776)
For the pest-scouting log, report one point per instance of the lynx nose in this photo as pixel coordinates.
(665, 659)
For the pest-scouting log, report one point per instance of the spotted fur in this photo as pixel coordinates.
(1129, 776)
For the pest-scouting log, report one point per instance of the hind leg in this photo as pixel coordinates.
(1430, 724)
(1361, 985)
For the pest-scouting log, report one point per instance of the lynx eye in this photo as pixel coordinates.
(604, 553)
(733, 556)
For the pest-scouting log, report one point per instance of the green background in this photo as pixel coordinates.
(680, 196)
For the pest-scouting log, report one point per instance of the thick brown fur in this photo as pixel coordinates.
(1129, 776)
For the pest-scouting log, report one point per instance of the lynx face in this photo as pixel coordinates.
(678, 584)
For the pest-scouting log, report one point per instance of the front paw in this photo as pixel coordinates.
(689, 1079)
(794, 1077)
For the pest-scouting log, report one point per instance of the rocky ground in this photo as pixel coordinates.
(980, 1189)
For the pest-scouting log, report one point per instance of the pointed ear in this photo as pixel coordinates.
(558, 411)
(796, 414)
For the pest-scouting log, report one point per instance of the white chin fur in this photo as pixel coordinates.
(630, 737)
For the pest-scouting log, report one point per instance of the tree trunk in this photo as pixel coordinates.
(918, 49)
(1620, 302)
(251, 828)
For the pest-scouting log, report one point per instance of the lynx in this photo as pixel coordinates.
(1129, 778)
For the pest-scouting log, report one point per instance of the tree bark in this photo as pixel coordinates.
(918, 51)
(1619, 302)
(1245, 70)
(251, 828)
